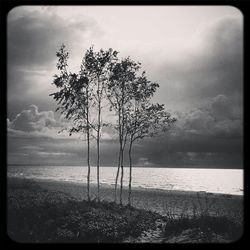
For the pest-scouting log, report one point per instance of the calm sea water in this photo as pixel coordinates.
(227, 181)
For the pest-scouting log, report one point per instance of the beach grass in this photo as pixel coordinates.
(39, 214)
(35, 215)
(202, 228)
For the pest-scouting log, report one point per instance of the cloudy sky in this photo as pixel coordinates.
(195, 53)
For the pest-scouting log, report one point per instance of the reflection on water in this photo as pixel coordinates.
(228, 181)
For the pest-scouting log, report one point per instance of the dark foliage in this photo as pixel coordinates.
(55, 217)
(206, 226)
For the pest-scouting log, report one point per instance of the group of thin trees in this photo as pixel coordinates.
(105, 80)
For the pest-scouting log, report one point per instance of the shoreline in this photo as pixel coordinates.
(177, 167)
(111, 186)
(161, 201)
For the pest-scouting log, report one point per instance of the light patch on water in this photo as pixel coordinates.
(227, 181)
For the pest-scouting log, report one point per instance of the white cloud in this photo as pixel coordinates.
(32, 123)
(33, 120)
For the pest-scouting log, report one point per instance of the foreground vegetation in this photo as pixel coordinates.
(55, 217)
(202, 228)
(39, 215)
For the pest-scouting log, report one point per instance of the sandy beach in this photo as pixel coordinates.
(173, 203)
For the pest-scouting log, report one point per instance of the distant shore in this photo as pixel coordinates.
(161, 201)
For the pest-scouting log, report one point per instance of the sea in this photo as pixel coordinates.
(224, 181)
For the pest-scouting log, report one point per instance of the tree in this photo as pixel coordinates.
(98, 66)
(73, 100)
(81, 95)
(122, 76)
(145, 119)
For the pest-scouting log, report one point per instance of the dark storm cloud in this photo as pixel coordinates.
(214, 67)
(196, 151)
(209, 80)
(216, 118)
(208, 136)
(33, 37)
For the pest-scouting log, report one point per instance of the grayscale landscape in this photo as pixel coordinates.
(125, 124)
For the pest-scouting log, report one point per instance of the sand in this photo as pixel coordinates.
(171, 203)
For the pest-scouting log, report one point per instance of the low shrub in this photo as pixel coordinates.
(54, 217)
(207, 226)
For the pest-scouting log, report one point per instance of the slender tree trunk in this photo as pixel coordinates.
(121, 142)
(121, 188)
(117, 175)
(119, 157)
(121, 165)
(98, 153)
(98, 140)
(88, 149)
(130, 173)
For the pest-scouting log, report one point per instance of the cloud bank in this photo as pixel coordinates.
(32, 123)
(217, 118)
(200, 77)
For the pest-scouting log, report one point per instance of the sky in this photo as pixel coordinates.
(195, 54)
